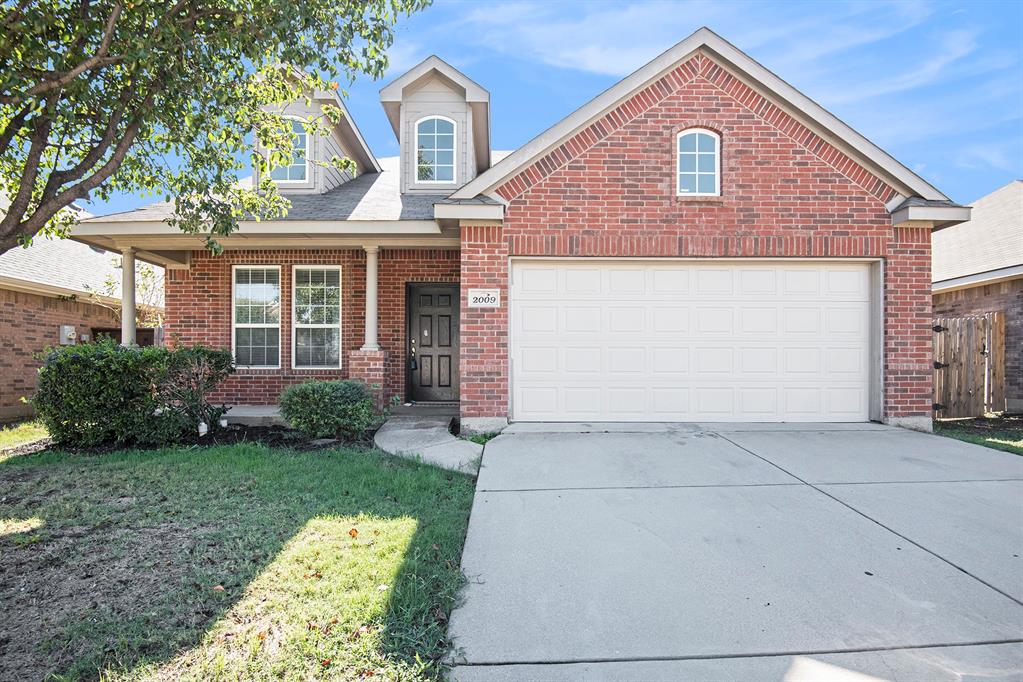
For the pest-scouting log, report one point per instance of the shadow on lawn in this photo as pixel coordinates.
(226, 561)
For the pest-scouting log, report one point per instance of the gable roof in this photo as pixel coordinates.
(350, 134)
(476, 96)
(990, 242)
(801, 107)
(59, 266)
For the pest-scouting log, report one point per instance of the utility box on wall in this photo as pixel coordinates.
(68, 335)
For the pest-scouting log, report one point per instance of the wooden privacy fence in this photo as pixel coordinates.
(969, 365)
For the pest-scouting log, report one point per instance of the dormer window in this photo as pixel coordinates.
(699, 167)
(297, 170)
(435, 150)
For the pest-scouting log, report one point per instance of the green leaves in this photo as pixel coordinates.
(329, 409)
(154, 96)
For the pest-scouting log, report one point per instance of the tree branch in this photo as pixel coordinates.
(12, 128)
(49, 207)
(37, 143)
(55, 79)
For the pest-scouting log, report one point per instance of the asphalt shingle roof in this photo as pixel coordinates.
(991, 239)
(371, 196)
(62, 263)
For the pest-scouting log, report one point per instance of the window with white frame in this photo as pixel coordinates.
(699, 163)
(257, 316)
(317, 324)
(297, 170)
(435, 150)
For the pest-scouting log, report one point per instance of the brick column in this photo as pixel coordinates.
(908, 338)
(484, 331)
(368, 367)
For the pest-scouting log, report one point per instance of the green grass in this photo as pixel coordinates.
(226, 563)
(482, 438)
(19, 434)
(1009, 441)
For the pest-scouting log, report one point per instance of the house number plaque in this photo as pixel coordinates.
(484, 298)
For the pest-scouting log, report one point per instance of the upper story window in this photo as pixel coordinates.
(297, 170)
(435, 150)
(699, 163)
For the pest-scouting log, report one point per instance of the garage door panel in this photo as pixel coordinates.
(690, 341)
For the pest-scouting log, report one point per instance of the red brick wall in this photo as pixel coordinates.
(198, 310)
(1006, 297)
(483, 354)
(610, 191)
(29, 323)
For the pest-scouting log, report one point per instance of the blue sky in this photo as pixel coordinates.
(939, 85)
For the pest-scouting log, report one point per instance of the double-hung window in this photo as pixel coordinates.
(317, 306)
(256, 311)
(435, 150)
(297, 170)
(699, 163)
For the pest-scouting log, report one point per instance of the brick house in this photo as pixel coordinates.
(978, 268)
(699, 242)
(46, 291)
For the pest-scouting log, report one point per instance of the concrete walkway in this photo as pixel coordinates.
(741, 552)
(427, 438)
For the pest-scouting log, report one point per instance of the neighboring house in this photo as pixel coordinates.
(53, 287)
(978, 268)
(698, 242)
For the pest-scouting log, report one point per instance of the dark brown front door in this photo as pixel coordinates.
(433, 342)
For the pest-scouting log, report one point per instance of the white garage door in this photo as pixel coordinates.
(707, 340)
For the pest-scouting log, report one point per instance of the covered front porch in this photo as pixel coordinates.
(379, 303)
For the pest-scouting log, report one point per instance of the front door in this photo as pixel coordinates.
(433, 342)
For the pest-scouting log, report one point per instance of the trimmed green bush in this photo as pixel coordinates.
(98, 393)
(329, 409)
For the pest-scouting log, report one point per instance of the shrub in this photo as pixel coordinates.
(329, 409)
(101, 392)
(190, 375)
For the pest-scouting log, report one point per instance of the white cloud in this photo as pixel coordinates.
(614, 39)
(996, 154)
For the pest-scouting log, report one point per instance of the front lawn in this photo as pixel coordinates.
(14, 435)
(229, 562)
(1001, 433)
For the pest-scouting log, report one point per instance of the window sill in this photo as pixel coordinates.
(705, 200)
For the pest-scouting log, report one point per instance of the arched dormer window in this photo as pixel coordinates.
(699, 163)
(435, 150)
(298, 169)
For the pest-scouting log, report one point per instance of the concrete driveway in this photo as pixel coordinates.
(741, 552)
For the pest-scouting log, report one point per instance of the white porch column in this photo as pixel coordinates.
(371, 298)
(128, 297)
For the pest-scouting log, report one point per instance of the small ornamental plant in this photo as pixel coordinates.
(330, 409)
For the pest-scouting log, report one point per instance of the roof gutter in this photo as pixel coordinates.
(468, 211)
(978, 279)
(940, 217)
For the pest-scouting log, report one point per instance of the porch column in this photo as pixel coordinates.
(370, 342)
(128, 297)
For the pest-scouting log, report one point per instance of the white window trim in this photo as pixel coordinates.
(295, 326)
(308, 171)
(454, 153)
(234, 314)
(717, 164)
